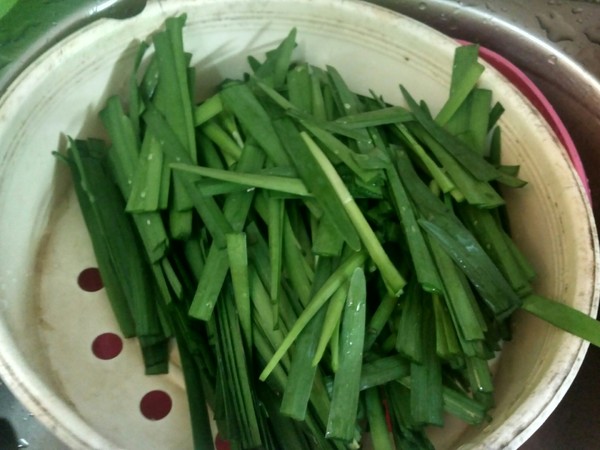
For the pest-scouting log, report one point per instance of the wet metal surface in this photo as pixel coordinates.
(27, 432)
(557, 44)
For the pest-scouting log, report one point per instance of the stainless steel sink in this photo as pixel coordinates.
(555, 42)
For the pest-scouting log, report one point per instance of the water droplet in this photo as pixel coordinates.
(347, 105)
(129, 181)
(593, 34)
(422, 6)
(470, 248)
(556, 27)
(143, 194)
(22, 443)
(552, 59)
(148, 222)
(150, 157)
(577, 10)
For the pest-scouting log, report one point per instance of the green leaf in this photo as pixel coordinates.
(466, 71)
(341, 423)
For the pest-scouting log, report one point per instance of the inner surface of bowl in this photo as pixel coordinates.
(48, 323)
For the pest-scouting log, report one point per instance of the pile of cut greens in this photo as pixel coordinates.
(326, 262)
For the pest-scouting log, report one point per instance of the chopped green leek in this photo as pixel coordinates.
(322, 258)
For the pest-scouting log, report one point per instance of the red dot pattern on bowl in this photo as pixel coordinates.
(107, 346)
(156, 405)
(90, 280)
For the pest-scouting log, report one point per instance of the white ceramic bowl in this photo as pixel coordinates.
(48, 324)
